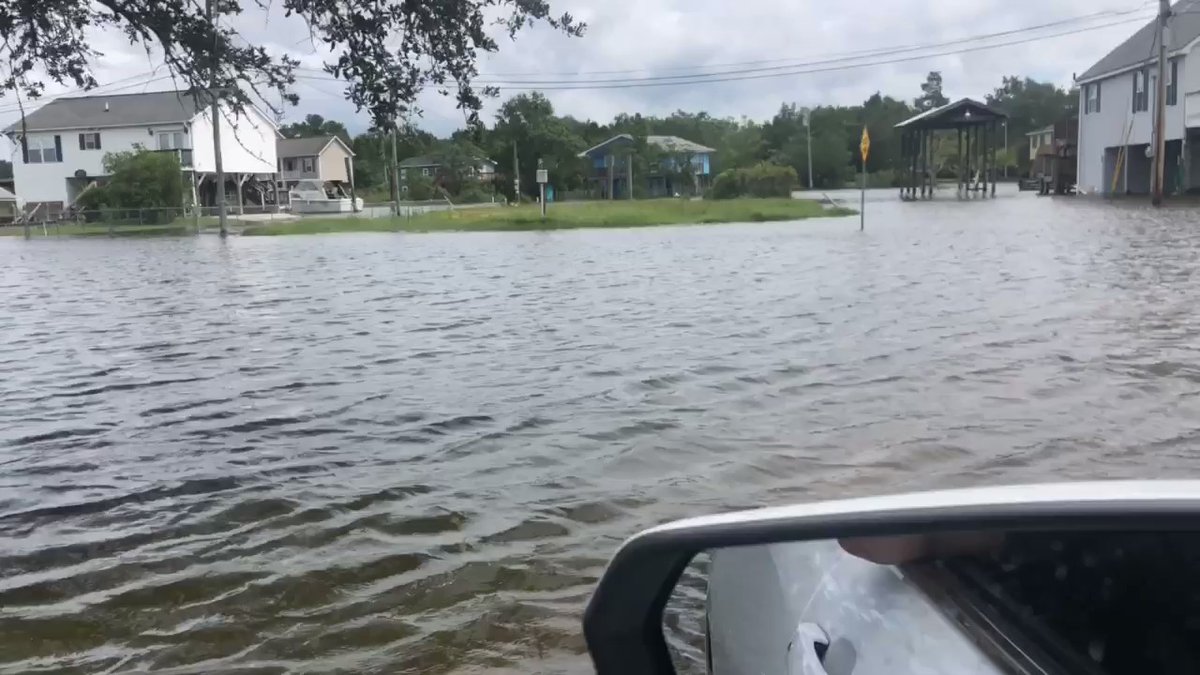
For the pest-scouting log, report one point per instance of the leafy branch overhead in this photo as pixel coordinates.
(386, 51)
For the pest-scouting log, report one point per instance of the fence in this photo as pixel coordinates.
(187, 221)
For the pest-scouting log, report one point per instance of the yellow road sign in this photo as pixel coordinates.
(865, 145)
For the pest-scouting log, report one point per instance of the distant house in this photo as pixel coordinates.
(484, 169)
(323, 158)
(63, 143)
(1039, 138)
(1116, 110)
(9, 206)
(612, 168)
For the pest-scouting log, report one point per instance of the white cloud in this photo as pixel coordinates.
(654, 39)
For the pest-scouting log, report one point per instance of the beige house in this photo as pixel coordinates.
(324, 158)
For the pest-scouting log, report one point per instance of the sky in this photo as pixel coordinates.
(638, 39)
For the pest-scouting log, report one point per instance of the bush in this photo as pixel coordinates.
(419, 188)
(473, 194)
(761, 180)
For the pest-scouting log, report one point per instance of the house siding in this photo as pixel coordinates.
(298, 172)
(248, 149)
(1107, 129)
(49, 182)
(333, 163)
(55, 181)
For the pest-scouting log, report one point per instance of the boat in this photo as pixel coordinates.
(313, 196)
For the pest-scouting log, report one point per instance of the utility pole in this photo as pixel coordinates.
(516, 177)
(1006, 149)
(808, 130)
(222, 216)
(1160, 106)
(395, 172)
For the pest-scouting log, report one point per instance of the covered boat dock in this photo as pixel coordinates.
(976, 126)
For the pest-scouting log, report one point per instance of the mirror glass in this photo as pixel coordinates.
(963, 602)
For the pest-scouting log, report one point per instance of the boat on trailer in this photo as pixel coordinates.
(312, 196)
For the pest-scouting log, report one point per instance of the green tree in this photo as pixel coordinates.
(529, 122)
(458, 163)
(880, 114)
(931, 93)
(315, 125)
(138, 179)
(373, 152)
(386, 51)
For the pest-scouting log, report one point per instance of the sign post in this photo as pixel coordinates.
(865, 147)
(542, 179)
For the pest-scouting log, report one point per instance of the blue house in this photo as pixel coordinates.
(612, 167)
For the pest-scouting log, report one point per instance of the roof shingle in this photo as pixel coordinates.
(111, 110)
(1140, 47)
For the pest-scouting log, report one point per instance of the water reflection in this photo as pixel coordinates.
(398, 452)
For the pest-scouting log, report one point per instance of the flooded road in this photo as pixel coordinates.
(414, 453)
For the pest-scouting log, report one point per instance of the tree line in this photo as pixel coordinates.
(529, 122)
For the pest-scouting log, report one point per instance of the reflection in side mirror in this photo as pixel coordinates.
(973, 602)
(1050, 578)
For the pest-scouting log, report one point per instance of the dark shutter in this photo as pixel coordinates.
(57, 148)
(97, 135)
(1136, 75)
(81, 142)
(1098, 90)
(24, 151)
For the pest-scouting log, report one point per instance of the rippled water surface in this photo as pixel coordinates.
(414, 453)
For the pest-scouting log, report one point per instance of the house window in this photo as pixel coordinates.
(43, 149)
(307, 165)
(1093, 98)
(89, 141)
(170, 140)
(289, 164)
(424, 172)
(1141, 93)
(403, 174)
(1172, 84)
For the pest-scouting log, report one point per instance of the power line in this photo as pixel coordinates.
(783, 63)
(791, 62)
(96, 90)
(787, 68)
(712, 78)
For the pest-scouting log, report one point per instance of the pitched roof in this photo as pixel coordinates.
(677, 144)
(307, 146)
(668, 143)
(426, 160)
(1139, 48)
(111, 110)
(957, 113)
(418, 161)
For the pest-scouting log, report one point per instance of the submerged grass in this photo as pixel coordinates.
(640, 213)
(70, 229)
(571, 215)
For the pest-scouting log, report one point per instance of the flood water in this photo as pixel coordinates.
(414, 453)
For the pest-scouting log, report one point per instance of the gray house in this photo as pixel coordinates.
(1116, 111)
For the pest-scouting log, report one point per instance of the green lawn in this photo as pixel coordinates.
(571, 215)
(99, 230)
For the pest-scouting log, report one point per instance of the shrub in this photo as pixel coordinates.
(761, 180)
